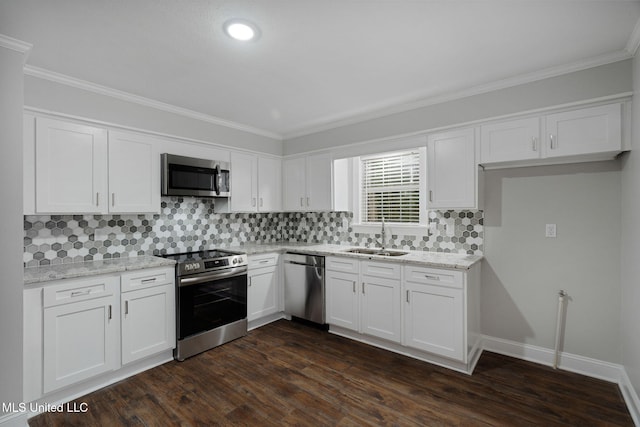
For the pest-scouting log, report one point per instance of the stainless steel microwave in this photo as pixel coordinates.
(187, 176)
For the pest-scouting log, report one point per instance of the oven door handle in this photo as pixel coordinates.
(232, 272)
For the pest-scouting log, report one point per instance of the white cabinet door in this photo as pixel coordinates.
(148, 322)
(434, 320)
(294, 184)
(81, 340)
(510, 141)
(318, 169)
(243, 182)
(269, 184)
(452, 170)
(134, 168)
(585, 131)
(262, 293)
(342, 296)
(71, 167)
(380, 305)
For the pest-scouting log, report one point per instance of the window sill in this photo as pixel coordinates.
(394, 229)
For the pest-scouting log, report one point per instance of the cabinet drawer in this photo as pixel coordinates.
(142, 279)
(348, 265)
(381, 269)
(263, 260)
(80, 290)
(433, 276)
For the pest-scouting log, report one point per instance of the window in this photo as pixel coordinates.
(390, 186)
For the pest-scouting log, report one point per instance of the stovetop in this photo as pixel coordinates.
(203, 261)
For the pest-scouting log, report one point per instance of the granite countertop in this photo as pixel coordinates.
(423, 258)
(34, 275)
(92, 268)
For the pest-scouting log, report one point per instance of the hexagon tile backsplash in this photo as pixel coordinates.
(188, 224)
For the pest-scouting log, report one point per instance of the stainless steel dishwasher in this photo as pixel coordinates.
(304, 287)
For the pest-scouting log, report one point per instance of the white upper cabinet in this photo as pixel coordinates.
(307, 183)
(134, 171)
(269, 184)
(510, 141)
(256, 183)
(586, 134)
(85, 169)
(585, 131)
(452, 170)
(71, 167)
(244, 191)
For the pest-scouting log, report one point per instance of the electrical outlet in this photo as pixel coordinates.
(550, 230)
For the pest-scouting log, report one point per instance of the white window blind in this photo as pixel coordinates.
(391, 188)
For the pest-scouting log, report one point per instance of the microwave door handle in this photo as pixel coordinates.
(217, 180)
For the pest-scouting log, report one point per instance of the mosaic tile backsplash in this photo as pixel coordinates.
(188, 224)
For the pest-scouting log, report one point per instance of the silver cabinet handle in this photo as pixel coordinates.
(264, 261)
(407, 295)
(534, 144)
(80, 293)
(302, 201)
(113, 199)
(354, 286)
(250, 281)
(431, 195)
(253, 202)
(362, 288)
(126, 307)
(153, 279)
(552, 146)
(307, 201)
(432, 277)
(110, 313)
(97, 199)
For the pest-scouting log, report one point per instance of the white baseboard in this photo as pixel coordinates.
(630, 397)
(257, 323)
(17, 419)
(594, 368)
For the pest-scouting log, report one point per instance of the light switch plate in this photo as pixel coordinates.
(550, 230)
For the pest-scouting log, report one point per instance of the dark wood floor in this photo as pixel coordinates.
(289, 374)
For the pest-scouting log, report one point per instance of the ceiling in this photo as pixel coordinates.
(317, 62)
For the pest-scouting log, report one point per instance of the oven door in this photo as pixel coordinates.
(210, 300)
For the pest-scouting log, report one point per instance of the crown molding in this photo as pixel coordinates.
(17, 45)
(394, 108)
(42, 73)
(634, 40)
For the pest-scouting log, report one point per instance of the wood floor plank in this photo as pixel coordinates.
(286, 373)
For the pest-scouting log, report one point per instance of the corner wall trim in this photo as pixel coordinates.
(570, 362)
(17, 45)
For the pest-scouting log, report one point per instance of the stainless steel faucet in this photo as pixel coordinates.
(383, 235)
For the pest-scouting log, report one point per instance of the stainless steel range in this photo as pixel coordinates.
(211, 294)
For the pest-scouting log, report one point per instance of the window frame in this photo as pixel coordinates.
(357, 191)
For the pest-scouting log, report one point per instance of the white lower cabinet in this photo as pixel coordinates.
(263, 293)
(148, 314)
(435, 316)
(80, 331)
(429, 313)
(358, 300)
(342, 299)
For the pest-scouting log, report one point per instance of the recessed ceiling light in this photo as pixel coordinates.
(242, 30)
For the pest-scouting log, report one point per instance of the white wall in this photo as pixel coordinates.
(523, 271)
(630, 260)
(11, 281)
(60, 98)
(586, 84)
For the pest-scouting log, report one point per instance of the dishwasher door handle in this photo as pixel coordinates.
(298, 263)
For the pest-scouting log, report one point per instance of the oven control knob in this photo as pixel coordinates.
(235, 260)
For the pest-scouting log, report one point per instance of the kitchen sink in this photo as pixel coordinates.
(379, 252)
